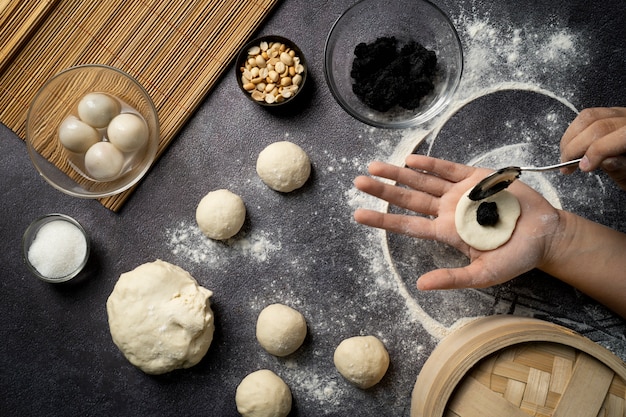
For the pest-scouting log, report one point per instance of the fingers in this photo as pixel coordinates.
(416, 201)
(417, 180)
(414, 226)
(598, 134)
(425, 188)
(475, 275)
(447, 170)
(615, 167)
(611, 145)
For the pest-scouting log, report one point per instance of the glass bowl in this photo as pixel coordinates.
(243, 56)
(57, 100)
(406, 20)
(60, 252)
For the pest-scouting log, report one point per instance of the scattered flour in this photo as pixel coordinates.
(323, 388)
(187, 241)
(497, 57)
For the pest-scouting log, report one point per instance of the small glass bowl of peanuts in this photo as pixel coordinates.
(271, 70)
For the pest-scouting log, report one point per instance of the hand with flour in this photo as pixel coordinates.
(599, 136)
(580, 252)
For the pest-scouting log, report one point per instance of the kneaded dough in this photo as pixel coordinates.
(220, 214)
(283, 166)
(280, 329)
(362, 360)
(263, 394)
(160, 318)
(487, 237)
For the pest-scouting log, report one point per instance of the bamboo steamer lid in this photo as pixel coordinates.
(508, 366)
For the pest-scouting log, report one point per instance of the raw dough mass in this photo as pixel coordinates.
(160, 318)
(487, 237)
(280, 329)
(283, 166)
(263, 394)
(362, 360)
(220, 214)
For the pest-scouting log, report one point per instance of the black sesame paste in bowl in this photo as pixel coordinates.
(387, 73)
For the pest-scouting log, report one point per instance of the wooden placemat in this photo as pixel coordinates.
(176, 50)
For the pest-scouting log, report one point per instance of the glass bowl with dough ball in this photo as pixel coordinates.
(176, 333)
(263, 394)
(362, 360)
(280, 329)
(220, 214)
(92, 131)
(393, 64)
(283, 166)
(271, 70)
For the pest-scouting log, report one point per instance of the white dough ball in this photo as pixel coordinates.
(220, 214)
(76, 135)
(97, 109)
(280, 329)
(103, 161)
(487, 237)
(283, 166)
(128, 132)
(160, 318)
(263, 394)
(362, 360)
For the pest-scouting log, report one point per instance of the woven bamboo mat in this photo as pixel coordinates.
(176, 49)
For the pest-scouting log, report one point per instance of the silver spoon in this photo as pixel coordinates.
(502, 178)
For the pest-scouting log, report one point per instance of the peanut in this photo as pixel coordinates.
(272, 72)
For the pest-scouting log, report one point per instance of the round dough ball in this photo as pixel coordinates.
(103, 161)
(128, 132)
(280, 329)
(263, 394)
(487, 237)
(97, 109)
(220, 214)
(76, 135)
(362, 360)
(283, 166)
(160, 318)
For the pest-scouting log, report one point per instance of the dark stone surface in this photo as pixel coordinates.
(303, 248)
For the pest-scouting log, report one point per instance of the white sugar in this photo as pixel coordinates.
(58, 249)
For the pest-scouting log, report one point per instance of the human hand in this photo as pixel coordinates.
(600, 135)
(431, 188)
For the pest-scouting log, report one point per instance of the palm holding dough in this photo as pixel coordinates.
(432, 188)
(486, 237)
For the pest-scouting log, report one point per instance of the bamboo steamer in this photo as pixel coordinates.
(507, 366)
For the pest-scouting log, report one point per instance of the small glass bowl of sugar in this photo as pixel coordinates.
(55, 248)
